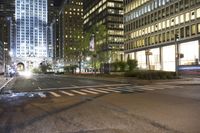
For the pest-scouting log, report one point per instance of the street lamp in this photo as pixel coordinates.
(148, 53)
(5, 62)
(176, 54)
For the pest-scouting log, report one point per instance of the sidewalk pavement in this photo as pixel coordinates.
(3, 80)
(131, 80)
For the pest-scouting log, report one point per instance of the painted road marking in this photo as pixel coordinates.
(110, 89)
(39, 88)
(6, 84)
(79, 92)
(67, 93)
(88, 91)
(98, 90)
(54, 94)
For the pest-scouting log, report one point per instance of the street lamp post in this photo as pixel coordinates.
(5, 63)
(148, 53)
(176, 54)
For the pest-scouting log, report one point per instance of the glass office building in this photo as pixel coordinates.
(157, 32)
(31, 32)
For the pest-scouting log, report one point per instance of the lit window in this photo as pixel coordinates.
(177, 20)
(152, 28)
(159, 26)
(168, 23)
(172, 22)
(198, 13)
(192, 15)
(187, 16)
(182, 18)
(198, 28)
(163, 24)
(193, 29)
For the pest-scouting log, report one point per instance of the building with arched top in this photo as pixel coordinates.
(31, 32)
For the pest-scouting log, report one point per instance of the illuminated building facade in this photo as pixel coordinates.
(70, 29)
(108, 13)
(31, 32)
(7, 9)
(162, 34)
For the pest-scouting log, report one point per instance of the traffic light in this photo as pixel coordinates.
(176, 36)
(179, 55)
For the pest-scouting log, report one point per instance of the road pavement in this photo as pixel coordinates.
(80, 105)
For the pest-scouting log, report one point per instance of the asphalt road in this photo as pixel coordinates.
(96, 106)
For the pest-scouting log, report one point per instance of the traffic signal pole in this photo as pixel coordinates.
(176, 55)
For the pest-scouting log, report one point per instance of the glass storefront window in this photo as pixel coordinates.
(168, 57)
(155, 59)
(141, 58)
(190, 51)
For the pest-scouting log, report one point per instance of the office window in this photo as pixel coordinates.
(152, 28)
(192, 15)
(193, 29)
(172, 22)
(163, 37)
(182, 32)
(187, 31)
(198, 28)
(182, 18)
(177, 20)
(163, 25)
(187, 16)
(168, 36)
(159, 26)
(198, 13)
(168, 21)
(172, 35)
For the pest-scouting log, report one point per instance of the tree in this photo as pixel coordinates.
(122, 66)
(132, 64)
(44, 67)
(78, 50)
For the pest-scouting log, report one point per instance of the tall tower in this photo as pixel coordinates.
(31, 32)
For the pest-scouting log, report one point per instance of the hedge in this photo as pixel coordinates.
(151, 74)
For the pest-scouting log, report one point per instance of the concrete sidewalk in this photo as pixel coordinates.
(3, 81)
(182, 81)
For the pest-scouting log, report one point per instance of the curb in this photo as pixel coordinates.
(4, 84)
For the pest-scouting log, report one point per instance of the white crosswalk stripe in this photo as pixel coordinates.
(79, 92)
(95, 91)
(88, 91)
(54, 94)
(67, 93)
(110, 89)
(98, 90)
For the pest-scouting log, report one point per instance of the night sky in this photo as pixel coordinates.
(57, 2)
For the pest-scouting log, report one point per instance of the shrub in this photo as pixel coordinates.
(122, 66)
(132, 64)
(150, 74)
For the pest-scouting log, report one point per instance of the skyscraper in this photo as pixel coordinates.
(70, 22)
(31, 32)
(6, 31)
(162, 34)
(108, 13)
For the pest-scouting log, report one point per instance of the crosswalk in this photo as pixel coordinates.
(108, 90)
